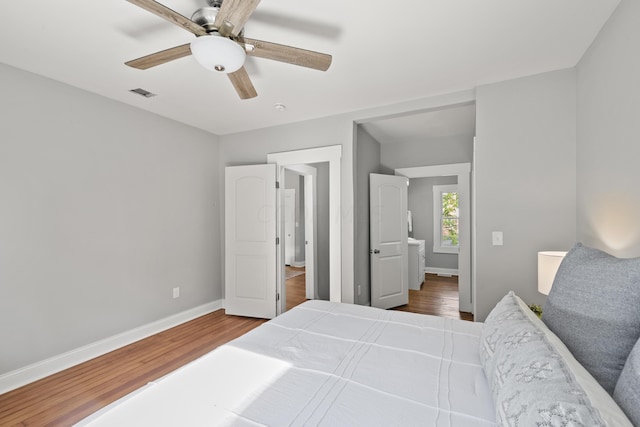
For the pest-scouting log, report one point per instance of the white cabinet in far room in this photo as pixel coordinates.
(416, 263)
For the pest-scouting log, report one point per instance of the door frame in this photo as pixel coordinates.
(465, 262)
(333, 155)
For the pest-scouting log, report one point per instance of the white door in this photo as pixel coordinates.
(289, 226)
(388, 246)
(250, 240)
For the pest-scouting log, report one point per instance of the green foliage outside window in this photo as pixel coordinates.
(450, 218)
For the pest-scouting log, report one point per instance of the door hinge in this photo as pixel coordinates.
(277, 184)
(277, 297)
(277, 240)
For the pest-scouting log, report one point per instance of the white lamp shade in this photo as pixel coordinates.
(548, 263)
(217, 53)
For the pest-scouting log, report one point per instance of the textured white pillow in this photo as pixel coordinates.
(609, 409)
(534, 378)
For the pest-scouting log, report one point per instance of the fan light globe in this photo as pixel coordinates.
(218, 53)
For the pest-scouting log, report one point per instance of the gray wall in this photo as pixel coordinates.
(608, 177)
(104, 209)
(436, 151)
(367, 161)
(525, 168)
(421, 206)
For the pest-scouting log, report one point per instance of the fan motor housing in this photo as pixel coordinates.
(206, 17)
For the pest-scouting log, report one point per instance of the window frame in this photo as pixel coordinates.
(438, 190)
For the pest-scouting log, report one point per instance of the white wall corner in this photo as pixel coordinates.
(28, 374)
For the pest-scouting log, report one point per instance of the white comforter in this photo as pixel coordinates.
(325, 364)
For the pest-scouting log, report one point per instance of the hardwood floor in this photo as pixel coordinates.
(296, 292)
(437, 296)
(71, 395)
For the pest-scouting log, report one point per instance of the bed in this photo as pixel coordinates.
(333, 364)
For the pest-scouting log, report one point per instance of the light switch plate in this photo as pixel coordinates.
(496, 238)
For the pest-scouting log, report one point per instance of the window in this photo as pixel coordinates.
(445, 219)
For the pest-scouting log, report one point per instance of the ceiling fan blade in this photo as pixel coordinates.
(170, 15)
(288, 54)
(242, 83)
(233, 15)
(161, 57)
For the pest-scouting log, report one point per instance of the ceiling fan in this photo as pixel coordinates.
(221, 45)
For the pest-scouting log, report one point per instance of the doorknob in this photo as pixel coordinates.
(374, 251)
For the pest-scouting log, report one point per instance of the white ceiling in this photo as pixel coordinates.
(384, 52)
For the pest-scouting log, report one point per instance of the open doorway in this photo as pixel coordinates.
(435, 137)
(295, 258)
(428, 186)
(327, 239)
(434, 243)
(434, 240)
(305, 191)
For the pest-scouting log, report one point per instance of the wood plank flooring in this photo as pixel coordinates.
(296, 292)
(69, 396)
(437, 296)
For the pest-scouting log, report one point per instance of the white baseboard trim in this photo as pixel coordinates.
(441, 271)
(22, 376)
(297, 264)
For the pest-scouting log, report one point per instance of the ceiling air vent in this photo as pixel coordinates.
(143, 92)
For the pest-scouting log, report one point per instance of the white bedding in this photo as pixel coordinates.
(324, 363)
